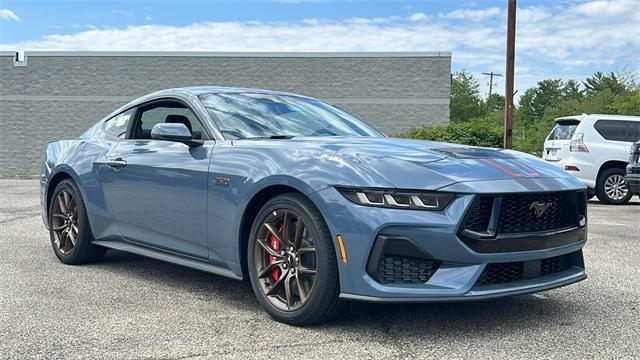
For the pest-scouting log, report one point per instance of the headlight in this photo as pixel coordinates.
(397, 199)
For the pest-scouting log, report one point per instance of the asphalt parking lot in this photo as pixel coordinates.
(128, 306)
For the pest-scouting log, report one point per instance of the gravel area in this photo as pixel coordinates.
(131, 307)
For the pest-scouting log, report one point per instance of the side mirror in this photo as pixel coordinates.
(174, 132)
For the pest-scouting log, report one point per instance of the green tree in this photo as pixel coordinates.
(524, 113)
(465, 102)
(571, 90)
(600, 82)
(547, 95)
(479, 122)
(483, 131)
(494, 103)
(627, 105)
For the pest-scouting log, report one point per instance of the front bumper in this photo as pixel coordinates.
(436, 234)
(588, 171)
(522, 288)
(633, 178)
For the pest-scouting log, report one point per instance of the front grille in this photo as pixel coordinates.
(501, 273)
(405, 270)
(635, 156)
(525, 221)
(519, 215)
(479, 214)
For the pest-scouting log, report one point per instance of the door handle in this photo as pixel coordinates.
(116, 164)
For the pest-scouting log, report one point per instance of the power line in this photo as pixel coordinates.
(491, 75)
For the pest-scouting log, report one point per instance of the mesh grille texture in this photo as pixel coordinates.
(394, 269)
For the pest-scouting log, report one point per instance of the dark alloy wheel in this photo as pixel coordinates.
(292, 262)
(612, 187)
(285, 259)
(69, 227)
(64, 221)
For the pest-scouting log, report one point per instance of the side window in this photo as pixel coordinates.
(633, 134)
(117, 125)
(618, 130)
(167, 113)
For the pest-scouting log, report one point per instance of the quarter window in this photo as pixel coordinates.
(117, 125)
(618, 130)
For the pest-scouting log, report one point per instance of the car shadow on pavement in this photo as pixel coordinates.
(202, 285)
(481, 319)
(633, 202)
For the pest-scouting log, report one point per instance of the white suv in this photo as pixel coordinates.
(595, 148)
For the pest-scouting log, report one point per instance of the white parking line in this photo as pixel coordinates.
(608, 223)
(540, 296)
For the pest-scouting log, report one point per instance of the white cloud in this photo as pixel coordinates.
(419, 16)
(602, 8)
(472, 14)
(376, 20)
(559, 41)
(311, 35)
(7, 14)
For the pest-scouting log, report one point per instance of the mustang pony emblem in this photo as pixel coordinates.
(539, 208)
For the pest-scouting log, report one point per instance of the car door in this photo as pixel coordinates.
(157, 188)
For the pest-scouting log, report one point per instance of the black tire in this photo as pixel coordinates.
(601, 186)
(591, 193)
(322, 303)
(82, 251)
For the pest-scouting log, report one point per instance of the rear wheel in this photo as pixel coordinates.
(612, 188)
(69, 226)
(292, 262)
(590, 194)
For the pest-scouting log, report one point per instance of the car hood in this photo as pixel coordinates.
(417, 164)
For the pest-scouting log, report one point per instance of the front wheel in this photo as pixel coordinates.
(612, 188)
(69, 226)
(292, 262)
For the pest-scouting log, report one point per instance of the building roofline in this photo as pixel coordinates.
(236, 54)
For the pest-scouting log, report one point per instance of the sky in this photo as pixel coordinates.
(566, 39)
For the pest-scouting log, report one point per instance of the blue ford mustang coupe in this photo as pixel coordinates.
(311, 204)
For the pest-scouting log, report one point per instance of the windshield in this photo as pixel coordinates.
(251, 115)
(562, 132)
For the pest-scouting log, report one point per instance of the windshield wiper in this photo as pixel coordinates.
(270, 137)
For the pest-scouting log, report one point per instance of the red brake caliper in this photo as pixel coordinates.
(275, 273)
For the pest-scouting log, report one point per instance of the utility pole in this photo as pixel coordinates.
(508, 87)
(491, 75)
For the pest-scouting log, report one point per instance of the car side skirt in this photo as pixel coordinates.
(168, 257)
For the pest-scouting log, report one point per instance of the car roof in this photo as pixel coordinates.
(195, 91)
(579, 118)
(614, 117)
(200, 90)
